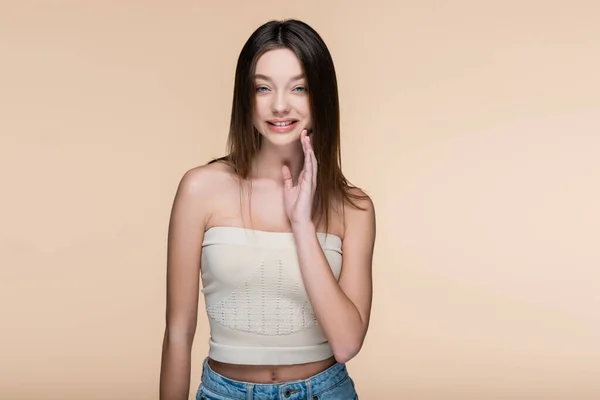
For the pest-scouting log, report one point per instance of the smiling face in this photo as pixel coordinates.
(282, 104)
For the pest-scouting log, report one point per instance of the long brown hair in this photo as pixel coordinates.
(244, 140)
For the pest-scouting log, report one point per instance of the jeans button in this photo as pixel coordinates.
(287, 393)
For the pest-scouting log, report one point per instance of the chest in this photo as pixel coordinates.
(235, 257)
(258, 207)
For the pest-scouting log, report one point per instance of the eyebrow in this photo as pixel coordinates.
(266, 78)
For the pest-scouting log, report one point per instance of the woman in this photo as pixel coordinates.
(282, 242)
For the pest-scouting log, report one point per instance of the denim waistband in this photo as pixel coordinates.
(310, 387)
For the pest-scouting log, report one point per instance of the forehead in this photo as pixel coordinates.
(279, 63)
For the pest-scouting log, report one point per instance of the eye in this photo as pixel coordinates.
(300, 88)
(262, 88)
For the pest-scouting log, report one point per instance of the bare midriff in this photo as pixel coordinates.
(267, 374)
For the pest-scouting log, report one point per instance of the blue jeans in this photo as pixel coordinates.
(332, 384)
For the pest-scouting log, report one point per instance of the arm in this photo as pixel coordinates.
(185, 236)
(342, 307)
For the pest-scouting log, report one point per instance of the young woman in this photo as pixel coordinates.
(282, 241)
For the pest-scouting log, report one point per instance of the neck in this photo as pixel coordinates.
(270, 159)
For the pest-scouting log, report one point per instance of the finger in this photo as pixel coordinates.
(301, 177)
(287, 177)
(308, 158)
(303, 140)
(315, 167)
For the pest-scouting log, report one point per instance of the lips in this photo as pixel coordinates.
(282, 123)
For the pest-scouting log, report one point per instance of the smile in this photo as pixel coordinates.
(286, 123)
(286, 126)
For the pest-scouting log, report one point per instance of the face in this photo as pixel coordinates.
(282, 108)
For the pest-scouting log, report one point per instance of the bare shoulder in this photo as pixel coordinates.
(361, 198)
(192, 207)
(206, 178)
(356, 279)
(359, 210)
(198, 186)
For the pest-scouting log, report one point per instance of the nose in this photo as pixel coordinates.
(280, 103)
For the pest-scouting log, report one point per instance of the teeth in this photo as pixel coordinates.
(282, 123)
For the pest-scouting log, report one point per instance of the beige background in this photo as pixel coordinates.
(475, 127)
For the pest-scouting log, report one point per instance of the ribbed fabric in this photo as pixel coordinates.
(256, 302)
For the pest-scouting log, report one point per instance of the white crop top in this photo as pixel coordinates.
(256, 302)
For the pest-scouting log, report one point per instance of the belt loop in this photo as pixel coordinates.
(250, 391)
(309, 394)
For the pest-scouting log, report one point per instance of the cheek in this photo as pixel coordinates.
(308, 115)
(261, 108)
(303, 107)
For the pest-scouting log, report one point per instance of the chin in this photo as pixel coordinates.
(281, 138)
